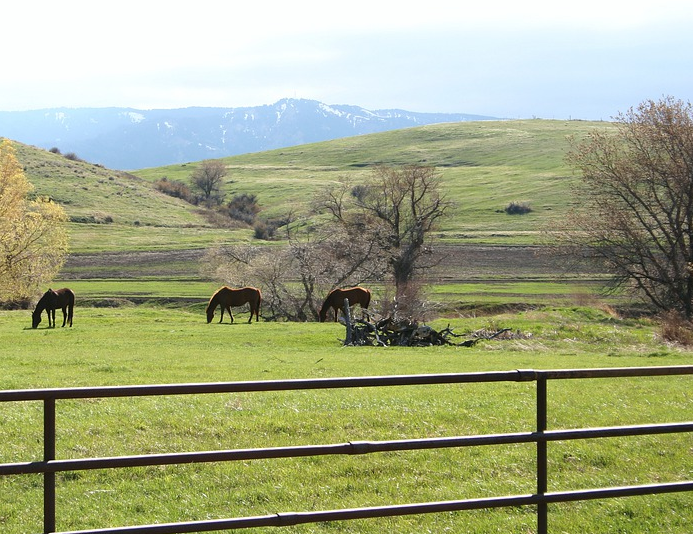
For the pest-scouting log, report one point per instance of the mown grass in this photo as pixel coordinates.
(144, 345)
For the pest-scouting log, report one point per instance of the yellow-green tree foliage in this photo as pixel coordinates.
(33, 235)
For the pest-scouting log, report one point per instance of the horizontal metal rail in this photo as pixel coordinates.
(519, 375)
(287, 519)
(350, 448)
(541, 437)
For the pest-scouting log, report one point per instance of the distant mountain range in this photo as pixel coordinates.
(129, 139)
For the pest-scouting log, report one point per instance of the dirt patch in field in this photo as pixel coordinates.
(133, 264)
(452, 264)
(474, 262)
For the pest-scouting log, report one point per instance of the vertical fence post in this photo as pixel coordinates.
(48, 454)
(542, 462)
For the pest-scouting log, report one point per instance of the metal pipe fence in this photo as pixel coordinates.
(540, 435)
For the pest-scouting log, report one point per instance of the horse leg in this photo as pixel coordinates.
(51, 315)
(70, 313)
(64, 316)
(221, 307)
(228, 308)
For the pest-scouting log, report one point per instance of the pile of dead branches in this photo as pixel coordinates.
(406, 333)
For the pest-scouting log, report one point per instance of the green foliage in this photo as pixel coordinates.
(518, 208)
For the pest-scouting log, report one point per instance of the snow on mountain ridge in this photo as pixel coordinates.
(126, 138)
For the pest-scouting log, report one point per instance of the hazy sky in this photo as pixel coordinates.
(547, 59)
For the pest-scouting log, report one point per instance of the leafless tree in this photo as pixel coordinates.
(395, 214)
(635, 202)
(208, 178)
(296, 277)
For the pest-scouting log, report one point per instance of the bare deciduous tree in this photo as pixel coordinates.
(394, 214)
(635, 201)
(208, 178)
(296, 277)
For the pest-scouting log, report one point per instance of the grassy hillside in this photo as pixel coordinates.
(483, 165)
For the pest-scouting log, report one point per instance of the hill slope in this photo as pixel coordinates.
(483, 167)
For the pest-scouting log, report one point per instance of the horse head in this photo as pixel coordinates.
(323, 312)
(35, 318)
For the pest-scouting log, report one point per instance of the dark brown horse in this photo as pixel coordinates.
(335, 300)
(50, 301)
(226, 298)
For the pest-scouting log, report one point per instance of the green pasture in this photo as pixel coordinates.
(151, 345)
(103, 238)
(483, 166)
(442, 299)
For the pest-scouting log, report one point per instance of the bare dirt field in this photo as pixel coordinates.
(450, 264)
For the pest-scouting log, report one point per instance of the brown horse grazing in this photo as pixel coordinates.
(226, 298)
(51, 300)
(335, 300)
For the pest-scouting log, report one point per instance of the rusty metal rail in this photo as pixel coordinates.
(49, 466)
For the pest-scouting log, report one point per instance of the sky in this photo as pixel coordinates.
(534, 59)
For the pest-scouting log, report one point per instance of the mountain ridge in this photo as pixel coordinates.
(130, 138)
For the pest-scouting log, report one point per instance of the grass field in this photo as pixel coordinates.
(132, 245)
(144, 345)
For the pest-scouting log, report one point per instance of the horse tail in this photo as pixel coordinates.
(259, 302)
(70, 306)
(368, 298)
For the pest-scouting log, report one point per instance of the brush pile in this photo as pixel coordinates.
(407, 333)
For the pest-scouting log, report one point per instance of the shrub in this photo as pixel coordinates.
(72, 156)
(267, 230)
(359, 192)
(55, 150)
(518, 208)
(264, 231)
(243, 208)
(676, 329)
(174, 188)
